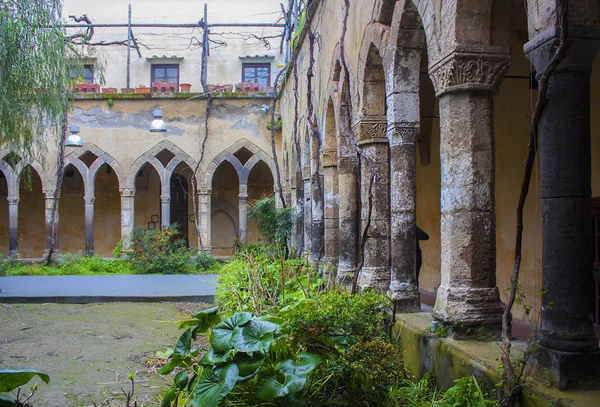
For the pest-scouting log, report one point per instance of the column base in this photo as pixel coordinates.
(468, 306)
(345, 274)
(406, 301)
(56, 255)
(377, 278)
(552, 340)
(568, 370)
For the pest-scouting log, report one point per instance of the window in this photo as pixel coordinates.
(257, 73)
(88, 73)
(165, 73)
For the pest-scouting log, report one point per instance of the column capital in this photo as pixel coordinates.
(583, 45)
(243, 190)
(403, 133)
(165, 198)
(89, 200)
(466, 71)
(49, 194)
(329, 158)
(204, 191)
(127, 192)
(371, 129)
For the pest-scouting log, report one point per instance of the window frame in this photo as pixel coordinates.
(153, 67)
(256, 65)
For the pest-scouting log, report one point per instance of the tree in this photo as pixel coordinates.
(36, 67)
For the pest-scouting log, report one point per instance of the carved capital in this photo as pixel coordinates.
(402, 134)
(13, 200)
(469, 72)
(89, 200)
(165, 198)
(371, 129)
(329, 158)
(127, 192)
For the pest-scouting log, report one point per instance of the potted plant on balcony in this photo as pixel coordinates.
(142, 89)
(185, 87)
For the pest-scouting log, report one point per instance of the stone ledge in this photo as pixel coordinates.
(170, 95)
(451, 359)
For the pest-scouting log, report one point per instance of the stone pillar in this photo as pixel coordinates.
(52, 230)
(307, 203)
(318, 227)
(331, 205)
(298, 230)
(348, 217)
(127, 216)
(13, 227)
(371, 133)
(204, 201)
(89, 225)
(565, 174)
(243, 216)
(465, 85)
(403, 190)
(165, 210)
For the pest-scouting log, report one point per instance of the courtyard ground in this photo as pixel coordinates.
(89, 349)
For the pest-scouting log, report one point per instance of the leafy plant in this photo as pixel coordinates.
(203, 262)
(118, 250)
(246, 352)
(274, 224)
(12, 379)
(159, 251)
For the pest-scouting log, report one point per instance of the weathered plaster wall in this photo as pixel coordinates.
(31, 217)
(71, 214)
(225, 207)
(107, 213)
(147, 199)
(224, 64)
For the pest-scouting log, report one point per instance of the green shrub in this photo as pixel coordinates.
(203, 262)
(274, 224)
(159, 251)
(74, 265)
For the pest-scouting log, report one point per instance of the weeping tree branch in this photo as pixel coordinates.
(515, 380)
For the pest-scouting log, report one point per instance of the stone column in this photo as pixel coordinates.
(403, 190)
(298, 230)
(465, 85)
(52, 230)
(165, 210)
(13, 226)
(331, 205)
(204, 211)
(565, 174)
(307, 203)
(127, 216)
(89, 225)
(371, 133)
(318, 227)
(243, 216)
(348, 217)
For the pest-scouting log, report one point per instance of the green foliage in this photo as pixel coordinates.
(158, 251)
(261, 282)
(12, 379)
(73, 265)
(278, 124)
(35, 70)
(245, 357)
(204, 262)
(274, 224)
(118, 250)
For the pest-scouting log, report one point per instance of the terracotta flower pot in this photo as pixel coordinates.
(228, 88)
(210, 88)
(125, 90)
(185, 87)
(142, 89)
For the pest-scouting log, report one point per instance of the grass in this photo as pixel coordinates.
(77, 265)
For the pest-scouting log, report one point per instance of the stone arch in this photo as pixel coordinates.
(83, 171)
(103, 158)
(139, 163)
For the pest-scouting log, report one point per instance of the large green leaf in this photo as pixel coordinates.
(272, 389)
(213, 357)
(220, 338)
(202, 321)
(181, 379)
(184, 344)
(10, 379)
(306, 362)
(169, 397)
(248, 364)
(257, 336)
(213, 385)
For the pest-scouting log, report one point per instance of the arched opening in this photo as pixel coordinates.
(225, 209)
(71, 209)
(147, 198)
(182, 210)
(260, 185)
(31, 215)
(3, 214)
(107, 211)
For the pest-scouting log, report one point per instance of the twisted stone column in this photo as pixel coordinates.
(13, 226)
(465, 85)
(127, 215)
(243, 213)
(89, 225)
(403, 187)
(348, 216)
(371, 133)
